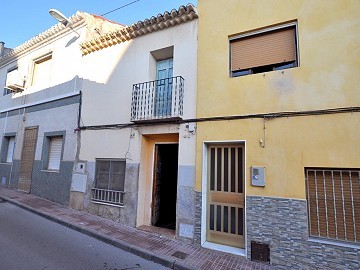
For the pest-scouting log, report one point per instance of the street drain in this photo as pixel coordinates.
(180, 255)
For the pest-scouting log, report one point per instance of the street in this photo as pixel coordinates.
(28, 241)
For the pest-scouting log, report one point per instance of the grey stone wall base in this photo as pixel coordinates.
(125, 215)
(14, 175)
(54, 186)
(5, 171)
(282, 223)
(198, 211)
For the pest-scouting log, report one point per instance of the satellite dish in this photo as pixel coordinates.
(62, 18)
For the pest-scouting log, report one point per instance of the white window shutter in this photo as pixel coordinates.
(10, 151)
(55, 153)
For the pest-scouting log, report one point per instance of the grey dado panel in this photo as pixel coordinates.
(11, 113)
(125, 215)
(54, 104)
(14, 179)
(198, 212)
(54, 186)
(5, 171)
(282, 223)
(44, 106)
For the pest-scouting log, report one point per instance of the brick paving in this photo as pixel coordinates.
(146, 244)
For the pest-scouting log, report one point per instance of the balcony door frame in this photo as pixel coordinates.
(163, 94)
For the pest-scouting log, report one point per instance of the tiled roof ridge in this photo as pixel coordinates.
(77, 17)
(161, 21)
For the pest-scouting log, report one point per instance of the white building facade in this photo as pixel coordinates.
(39, 108)
(137, 151)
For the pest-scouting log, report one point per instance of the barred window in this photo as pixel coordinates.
(333, 198)
(109, 181)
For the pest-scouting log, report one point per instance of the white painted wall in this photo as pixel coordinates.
(66, 63)
(109, 74)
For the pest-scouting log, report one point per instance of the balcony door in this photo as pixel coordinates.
(163, 94)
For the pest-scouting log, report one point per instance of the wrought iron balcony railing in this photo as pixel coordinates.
(160, 99)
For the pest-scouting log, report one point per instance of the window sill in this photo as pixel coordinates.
(6, 163)
(51, 171)
(109, 204)
(334, 243)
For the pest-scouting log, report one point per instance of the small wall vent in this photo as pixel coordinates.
(260, 252)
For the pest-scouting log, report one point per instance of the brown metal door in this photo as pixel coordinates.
(225, 198)
(27, 158)
(156, 187)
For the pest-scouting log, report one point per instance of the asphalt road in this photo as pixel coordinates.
(28, 242)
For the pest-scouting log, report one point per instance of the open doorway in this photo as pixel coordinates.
(165, 186)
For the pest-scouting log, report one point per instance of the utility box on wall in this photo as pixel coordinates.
(258, 176)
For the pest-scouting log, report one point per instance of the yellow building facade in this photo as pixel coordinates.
(277, 157)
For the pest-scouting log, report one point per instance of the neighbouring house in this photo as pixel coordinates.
(136, 151)
(39, 108)
(277, 159)
(95, 118)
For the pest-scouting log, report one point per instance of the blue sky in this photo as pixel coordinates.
(23, 19)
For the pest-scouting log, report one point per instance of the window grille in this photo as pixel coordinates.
(109, 182)
(333, 198)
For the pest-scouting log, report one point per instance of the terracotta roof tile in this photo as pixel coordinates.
(161, 21)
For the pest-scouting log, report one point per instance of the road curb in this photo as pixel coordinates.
(139, 251)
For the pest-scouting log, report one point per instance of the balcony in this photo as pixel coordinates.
(158, 100)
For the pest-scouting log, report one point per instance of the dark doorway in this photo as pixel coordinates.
(165, 186)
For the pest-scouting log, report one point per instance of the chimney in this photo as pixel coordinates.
(2, 47)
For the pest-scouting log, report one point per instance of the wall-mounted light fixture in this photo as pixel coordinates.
(62, 18)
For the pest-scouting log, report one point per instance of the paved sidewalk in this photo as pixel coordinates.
(169, 252)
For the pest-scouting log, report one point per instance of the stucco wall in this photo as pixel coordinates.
(291, 145)
(325, 78)
(110, 73)
(328, 53)
(59, 117)
(66, 62)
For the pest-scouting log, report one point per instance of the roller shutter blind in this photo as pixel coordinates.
(278, 46)
(55, 153)
(10, 150)
(333, 198)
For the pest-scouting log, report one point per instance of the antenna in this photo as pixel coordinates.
(62, 18)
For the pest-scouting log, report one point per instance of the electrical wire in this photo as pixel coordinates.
(226, 118)
(128, 154)
(119, 7)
